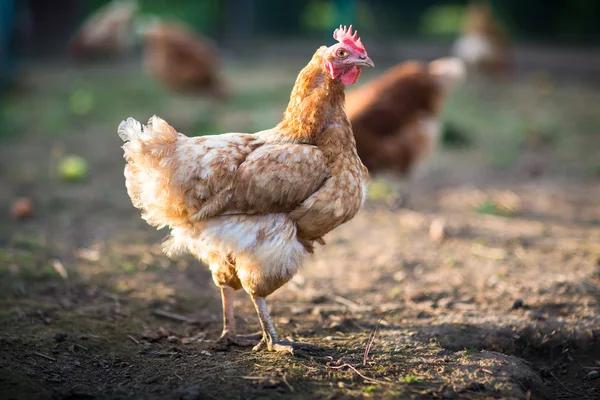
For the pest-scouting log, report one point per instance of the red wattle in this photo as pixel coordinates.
(350, 76)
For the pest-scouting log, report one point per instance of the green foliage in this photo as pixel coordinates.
(81, 102)
(323, 15)
(410, 379)
(454, 136)
(203, 14)
(445, 19)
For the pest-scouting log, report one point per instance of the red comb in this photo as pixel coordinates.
(344, 35)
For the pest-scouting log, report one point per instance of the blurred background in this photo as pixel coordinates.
(72, 70)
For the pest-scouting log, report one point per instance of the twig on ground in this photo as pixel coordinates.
(134, 340)
(180, 378)
(172, 316)
(348, 303)
(372, 337)
(566, 388)
(366, 378)
(44, 356)
(287, 384)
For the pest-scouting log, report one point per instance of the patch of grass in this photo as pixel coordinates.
(490, 207)
(369, 389)
(128, 267)
(471, 351)
(39, 274)
(443, 20)
(382, 190)
(410, 379)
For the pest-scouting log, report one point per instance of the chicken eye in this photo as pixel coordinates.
(341, 53)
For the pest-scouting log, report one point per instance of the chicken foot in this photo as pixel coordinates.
(270, 339)
(229, 336)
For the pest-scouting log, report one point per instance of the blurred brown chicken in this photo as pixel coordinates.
(484, 45)
(106, 33)
(182, 59)
(395, 117)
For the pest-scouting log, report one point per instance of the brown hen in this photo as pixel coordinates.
(109, 32)
(182, 59)
(252, 205)
(395, 117)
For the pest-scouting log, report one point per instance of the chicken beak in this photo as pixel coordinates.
(366, 62)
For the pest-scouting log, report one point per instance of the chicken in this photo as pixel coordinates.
(109, 32)
(182, 59)
(251, 206)
(395, 116)
(484, 45)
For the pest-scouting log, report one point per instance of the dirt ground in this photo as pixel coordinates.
(505, 305)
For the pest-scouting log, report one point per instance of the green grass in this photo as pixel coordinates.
(410, 379)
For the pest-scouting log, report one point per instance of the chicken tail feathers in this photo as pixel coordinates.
(150, 154)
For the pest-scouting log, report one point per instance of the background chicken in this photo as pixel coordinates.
(244, 203)
(395, 117)
(182, 59)
(107, 33)
(484, 44)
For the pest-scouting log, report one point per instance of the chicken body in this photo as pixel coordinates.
(252, 205)
(107, 33)
(395, 117)
(182, 59)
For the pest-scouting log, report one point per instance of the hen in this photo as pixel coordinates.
(484, 44)
(182, 59)
(395, 116)
(107, 33)
(251, 206)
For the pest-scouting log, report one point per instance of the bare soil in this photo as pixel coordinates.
(504, 304)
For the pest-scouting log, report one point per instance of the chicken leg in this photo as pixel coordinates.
(229, 337)
(270, 339)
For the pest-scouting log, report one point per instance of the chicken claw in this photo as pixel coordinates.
(270, 340)
(294, 348)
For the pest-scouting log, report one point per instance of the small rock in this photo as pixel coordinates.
(22, 208)
(437, 230)
(449, 394)
(343, 325)
(146, 350)
(173, 339)
(162, 332)
(60, 336)
(341, 385)
(400, 276)
(518, 304)
(595, 374)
